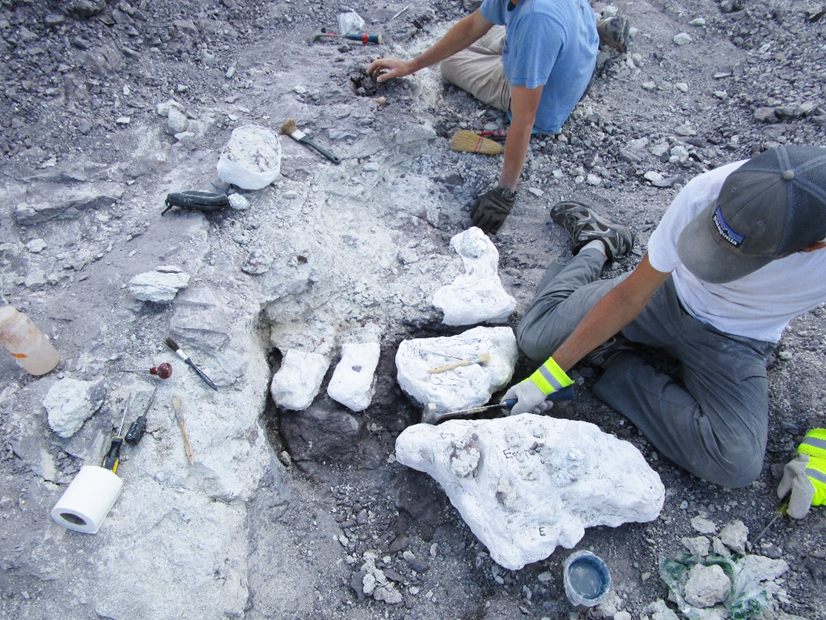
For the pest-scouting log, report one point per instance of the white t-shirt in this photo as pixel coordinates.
(759, 305)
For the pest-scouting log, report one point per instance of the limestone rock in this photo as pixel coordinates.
(526, 484)
(160, 285)
(462, 387)
(70, 403)
(706, 586)
(353, 381)
(251, 159)
(298, 381)
(202, 318)
(46, 201)
(698, 545)
(682, 38)
(476, 296)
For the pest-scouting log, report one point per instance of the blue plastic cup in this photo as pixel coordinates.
(586, 578)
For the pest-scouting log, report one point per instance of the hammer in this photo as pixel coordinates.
(363, 38)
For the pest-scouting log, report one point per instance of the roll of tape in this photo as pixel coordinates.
(87, 501)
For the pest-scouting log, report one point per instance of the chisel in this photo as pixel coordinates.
(430, 416)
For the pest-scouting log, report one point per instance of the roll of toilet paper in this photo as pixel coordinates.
(87, 501)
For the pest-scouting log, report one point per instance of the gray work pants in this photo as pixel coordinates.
(714, 421)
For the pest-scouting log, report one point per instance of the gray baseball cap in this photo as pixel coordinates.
(771, 206)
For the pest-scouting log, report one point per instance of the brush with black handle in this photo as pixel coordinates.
(174, 346)
(289, 128)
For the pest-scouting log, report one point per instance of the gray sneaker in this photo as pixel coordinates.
(584, 225)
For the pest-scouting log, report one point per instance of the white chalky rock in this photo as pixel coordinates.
(354, 383)
(298, 381)
(476, 296)
(70, 403)
(160, 285)
(462, 387)
(682, 38)
(706, 586)
(734, 536)
(251, 159)
(527, 483)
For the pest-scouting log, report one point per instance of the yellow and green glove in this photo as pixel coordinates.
(532, 394)
(805, 476)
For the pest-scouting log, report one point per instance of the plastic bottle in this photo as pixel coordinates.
(26, 343)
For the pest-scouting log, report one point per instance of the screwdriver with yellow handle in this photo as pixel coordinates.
(112, 458)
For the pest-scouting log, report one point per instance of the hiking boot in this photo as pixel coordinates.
(584, 225)
(604, 352)
(613, 32)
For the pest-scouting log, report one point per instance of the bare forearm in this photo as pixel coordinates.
(524, 103)
(464, 33)
(615, 310)
(516, 150)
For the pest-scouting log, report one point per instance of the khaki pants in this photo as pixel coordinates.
(479, 71)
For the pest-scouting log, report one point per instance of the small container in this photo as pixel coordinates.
(26, 343)
(587, 579)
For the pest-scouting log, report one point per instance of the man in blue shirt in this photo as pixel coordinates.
(536, 65)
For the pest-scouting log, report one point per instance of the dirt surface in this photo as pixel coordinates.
(81, 83)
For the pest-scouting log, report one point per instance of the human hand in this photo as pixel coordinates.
(529, 398)
(386, 68)
(805, 475)
(491, 208)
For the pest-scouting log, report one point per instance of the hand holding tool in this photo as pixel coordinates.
(482, 358)
(804, 478)
(289, 128)
(533, 392)
(162, 371)
(174, 346)
(491, 208)
(112, 458)
(179, 416)
(431, 416)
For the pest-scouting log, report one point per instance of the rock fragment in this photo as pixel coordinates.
(353, 381)
(734, 536)
(476, 296)
(465, 386)
(160, 285)
(527, 483)
(706, 586)
(298, 381)
(71, 402)
(682, 38)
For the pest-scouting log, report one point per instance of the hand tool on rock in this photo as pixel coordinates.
(361, 37)
(783, 511)
(469, 142)
(176, 407)
(136, 431)
(174, 346)
(112, 458)
(431, 416)
(482, 358)
(162, 371)
(289, 128)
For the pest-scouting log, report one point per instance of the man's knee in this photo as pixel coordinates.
(530, 342)
(736, 466)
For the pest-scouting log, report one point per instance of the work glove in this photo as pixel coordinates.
(491, 208)
(805, 475)
(532, 393)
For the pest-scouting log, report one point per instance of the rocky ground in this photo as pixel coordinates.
(284, 512)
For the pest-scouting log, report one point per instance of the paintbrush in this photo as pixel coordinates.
(469, 142)
(174, 346)
(482, 358)
(289, 128)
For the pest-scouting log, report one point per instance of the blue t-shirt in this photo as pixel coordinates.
(550, 43)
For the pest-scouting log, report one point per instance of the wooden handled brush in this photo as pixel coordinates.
(469, 142)
(482, 358)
